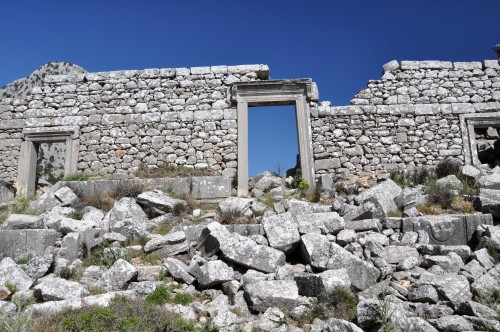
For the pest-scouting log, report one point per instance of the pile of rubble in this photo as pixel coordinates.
(414, 273)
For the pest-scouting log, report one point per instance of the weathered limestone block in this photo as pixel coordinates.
(159, 200)
(263, 295)
(169, 240)
(323, 223)
(22, 221)
(450, 287)
(55, 289)
(282, 231)
(12, 274)
(38, 266)
(118, 276)
(178, 270)
(210, 273)
(325, 255)
(313, 285)
(16, 243)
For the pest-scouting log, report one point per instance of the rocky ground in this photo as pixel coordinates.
(272, 262)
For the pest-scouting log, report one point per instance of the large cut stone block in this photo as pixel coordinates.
(325, 255)
(17, 243)
(210, 187)
(282, 232)
(263, 295)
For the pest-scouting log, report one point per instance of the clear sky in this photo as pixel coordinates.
(339, 44)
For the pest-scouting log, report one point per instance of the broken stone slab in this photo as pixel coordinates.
(70, 246)
(407, 199)
(334, 325)
(471, 308)
(226, 321)
(450, 287)
(210, 273)
(472, 270)
(323, 223)
(38, 266)
(239, 249)
(22, 221)
(69, 225)
(450, 263)
(452, 323)
(489, 201)
(159, 200)
(423, 293)
(491, 181)
(149, 272)
(387, 188)
(17, 243)
(471, 171)
(313, 285)
(282, 232)
(365, 211)
(236, 205)
(384, 205)
(324, 255)
(396, 254)
(172, 238)
(463, 251)
(44, 203)
(491, 237)
(486, 283)
(364, 225)
(12, 275)
(91, 276)
(91, 213)
(56, 289)
(127, 218)
(178, 270)
(118, 276)
(450, 182)
(346, 236)
(66, 196)
(263, 295)
(484, 258)
(295, 206)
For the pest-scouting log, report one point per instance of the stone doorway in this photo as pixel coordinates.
(268, 93)
(481, 138)
(41, 148)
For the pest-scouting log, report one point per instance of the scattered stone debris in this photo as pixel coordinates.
(408, 273)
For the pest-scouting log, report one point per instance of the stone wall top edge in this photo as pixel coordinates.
(438, 64)
(160, 73)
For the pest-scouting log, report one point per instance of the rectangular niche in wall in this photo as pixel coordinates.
(481, 137)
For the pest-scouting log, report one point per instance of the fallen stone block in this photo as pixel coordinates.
(486, 283)
(325, 255)
(45, 203)
(282, 232)
(178, 270)
(363, 225)
(396, 254)
(127, 218)
(17, 243)
(118, 276)
(450, 287)
(323, 223)
(263, 295)
(210, 187)
(13, 275)
(159, 200)
(236, 205)
(365, 211)
(38, 266)
(66, 196)
(56, 289)
(22, 221)
(210, 273)
(313, 285)
(170, 239)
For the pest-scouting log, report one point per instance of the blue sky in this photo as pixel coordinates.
(339, 44)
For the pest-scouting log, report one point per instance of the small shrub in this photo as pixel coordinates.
(458, 204)
(77, 177)
(447, 167)
(25, 259)
(439, 195)
(164, 228)
(100, 201)
(493, 252)
(431, 209)
(492, 299)
(233, 216)
(179, 209)
(163, 276)
(11, 287)
(183, 298)
(395, 214)
(127, 189)
(170, 171)
(159, 296)
(77, 215)
(412, 177)
(66, 272)
(340, 303)
(384, 314)
(21, 322)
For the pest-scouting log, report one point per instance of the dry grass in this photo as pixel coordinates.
(432, 209)
(232, 217)
(170, 172)
(459, 204)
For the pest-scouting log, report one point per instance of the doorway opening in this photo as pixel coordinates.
(273, 141)
(50, 163)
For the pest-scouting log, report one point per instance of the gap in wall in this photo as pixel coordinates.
(50, 162)
(272, 139)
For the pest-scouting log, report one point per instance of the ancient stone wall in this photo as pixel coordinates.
(409, 117)
(125, 118)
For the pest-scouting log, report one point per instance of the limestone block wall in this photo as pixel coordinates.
(409, 117)
(124, 118)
